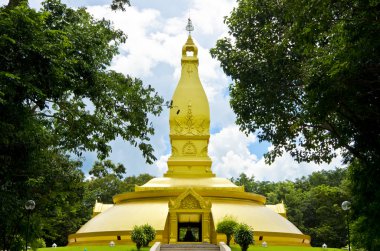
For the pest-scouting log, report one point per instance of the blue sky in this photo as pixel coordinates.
(156, 33)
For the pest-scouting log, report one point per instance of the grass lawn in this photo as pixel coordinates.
(283, 248)
(96, 248)
(133, 248)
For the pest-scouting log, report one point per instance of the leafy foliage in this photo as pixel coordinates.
(57, 72)
(312, 203)
(132, 181)
(138, 236)
(104, 188)
(150, 234)
(227, 226)
(307, 79)
(55, 183)
(308, 82)
(119, 4)
(243, 235)
(104, 168)
(38, 243)
(142, 235)
(365, 207)
(57, 96)
(58, 190)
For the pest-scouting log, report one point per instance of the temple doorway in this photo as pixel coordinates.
(190, 232)
(189, 218)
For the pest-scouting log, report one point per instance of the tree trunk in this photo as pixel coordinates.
(228, 239)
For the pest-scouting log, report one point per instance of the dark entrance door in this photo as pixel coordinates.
(190, 232)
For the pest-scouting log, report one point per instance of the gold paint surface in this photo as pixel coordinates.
(189, 121)
(189, 191)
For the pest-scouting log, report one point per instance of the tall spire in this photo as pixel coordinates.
(190, 127)
(189, 26)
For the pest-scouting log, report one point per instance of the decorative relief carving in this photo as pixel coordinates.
(204, 152)
(171, 204)
(174, 151)
(177, 127)
(189, 125)
(189, 149)
(188, 200)
(190, 203)
(189, 69)
(201, 127)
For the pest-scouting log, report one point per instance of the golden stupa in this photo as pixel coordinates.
(189, 195)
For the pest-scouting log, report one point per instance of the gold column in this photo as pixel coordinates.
(206, 227)
(173, 227)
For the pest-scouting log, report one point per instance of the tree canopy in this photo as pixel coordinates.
(55, 68)
(227, 226)
(308, 82)
(312, 203)
(58, 98)
(243, 235)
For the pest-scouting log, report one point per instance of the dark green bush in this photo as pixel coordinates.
(138, 236)
(243, 235)
(226, 226)
(150, 234)
(38, 243)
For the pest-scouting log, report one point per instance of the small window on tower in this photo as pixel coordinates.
(189, 53)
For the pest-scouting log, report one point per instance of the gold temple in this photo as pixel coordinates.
(189, 195)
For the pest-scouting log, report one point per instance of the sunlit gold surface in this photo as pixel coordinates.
(189, 121)
(188, 192)
(278, 208)
(100, 207)
(170, 183)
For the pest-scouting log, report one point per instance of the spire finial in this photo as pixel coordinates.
(189, 26)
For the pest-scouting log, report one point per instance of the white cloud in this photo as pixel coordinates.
(229, 151)
(162, 165)
(285, 168)
(231, 156)
(155, 40)
(209, 15)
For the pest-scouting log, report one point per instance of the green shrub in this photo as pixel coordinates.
(226, 226)
(150, 234)
(243, 235)
(17, 244)
(38, 243)
(138, 236)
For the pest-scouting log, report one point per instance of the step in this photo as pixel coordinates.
(189, 247)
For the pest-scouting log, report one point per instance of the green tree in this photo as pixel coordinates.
(307, 81)
(105, 183)
(109, 184)
(55, 183)
(226, 226)
(55, 68)
(57, 96)
(107, 167)
(313, 204)
(132, 181)
(248, 183)
(58, 189)
(150, 234)
(243, 235)
(323, 217)
(138, 236)
(103, 189)
(115, 4)
(38, 243)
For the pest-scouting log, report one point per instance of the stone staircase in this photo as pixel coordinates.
(189, 247)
